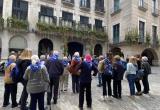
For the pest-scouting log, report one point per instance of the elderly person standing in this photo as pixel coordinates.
(10, 86)
(38, 82)
(55, 69)
(147, 71)
(64, 77)
(131, 74)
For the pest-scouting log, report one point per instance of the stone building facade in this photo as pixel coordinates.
(132, 27)
(138, 19)
(75, 25)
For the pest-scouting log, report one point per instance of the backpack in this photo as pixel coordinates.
(15, 75)
(107, 67)
(73, 68)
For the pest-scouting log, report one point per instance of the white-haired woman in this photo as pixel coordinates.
(147, 71)
(38, 78)
(10, 86)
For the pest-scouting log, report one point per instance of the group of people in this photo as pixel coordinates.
(50, 75)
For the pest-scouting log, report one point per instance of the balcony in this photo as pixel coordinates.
(68, 2)
(14, 25)
(143, 6)
(99, 10)
(1, 23)
(85, 7)
(49, 1)
(155, 12)
(115, 10)
(84, 27)
(67, 23)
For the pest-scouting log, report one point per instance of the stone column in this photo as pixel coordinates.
(5, 45)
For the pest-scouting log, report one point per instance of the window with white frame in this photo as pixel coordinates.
(85, 3)
(141, 31)
(154, 5)
(1, 7)
(116, 5)
(46, 14)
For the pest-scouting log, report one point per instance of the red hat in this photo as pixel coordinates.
(88, 58)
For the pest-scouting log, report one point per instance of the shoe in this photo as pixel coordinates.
(14, 105)
(80, 107)
(89, 106)
(5, 105)
(55, 101)
(138, 93)
(145, 92)
(99, 85)
(115, 96)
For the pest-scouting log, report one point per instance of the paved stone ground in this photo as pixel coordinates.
(69, 101)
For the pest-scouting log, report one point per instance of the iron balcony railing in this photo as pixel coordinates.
(84, 27)
(68, 2)
(99, 9)
(143, 6)
(99, 28)
(67, 23)
(115, 10)
(155, 12)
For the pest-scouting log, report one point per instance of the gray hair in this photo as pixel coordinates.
(144, 59)
(35, 59)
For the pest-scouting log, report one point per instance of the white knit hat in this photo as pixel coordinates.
(35, 59)
(76, 54)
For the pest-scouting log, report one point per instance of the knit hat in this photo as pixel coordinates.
(144, 59)
(88, 58)
(76, 54)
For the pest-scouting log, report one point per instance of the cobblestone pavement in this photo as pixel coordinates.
(69, 101)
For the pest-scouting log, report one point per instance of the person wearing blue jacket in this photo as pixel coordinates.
(86, 68)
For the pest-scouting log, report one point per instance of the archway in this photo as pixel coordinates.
(117, 51)
(45, 47)
(75, 47)
(151, 55)
(17, 44)
(98, 50)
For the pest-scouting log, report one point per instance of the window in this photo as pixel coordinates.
(84, 20)
(141, 2)
(85, 3)
(46, 15)
(116, 5)
(141, 31)
(99, 5)
(1, 7)
(98, 23)
(154, 34)
(116, 32)
(20, 9)
(67, 16)
(154, 5)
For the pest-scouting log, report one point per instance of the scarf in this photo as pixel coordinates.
(9, 62)
(36, 67)
(65, 63)
(54, 57)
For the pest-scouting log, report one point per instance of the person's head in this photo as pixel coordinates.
(144, 59)
(76, 54)
(42, 57)
(101, 57)
(12, 57)
(117, 58)
(88, 58)
(35, 59)
(133, 60)
(110, 55)
(26, 54)
(65, 58)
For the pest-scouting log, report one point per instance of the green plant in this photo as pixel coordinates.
(148, 38)
(17, 23)
(132, 36)
(1, 23)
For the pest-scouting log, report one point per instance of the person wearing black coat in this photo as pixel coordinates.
(86, 68)
(22, 63)
(55, 69)
(118, 72)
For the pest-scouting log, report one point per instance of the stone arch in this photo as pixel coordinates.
(75, 47)
(98, 50)
(45, 46)
(17, 43)
(152, 56)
